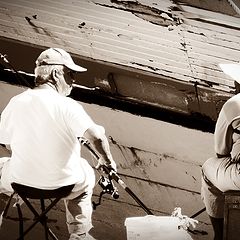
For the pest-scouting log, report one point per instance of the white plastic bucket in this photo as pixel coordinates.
(155, 228)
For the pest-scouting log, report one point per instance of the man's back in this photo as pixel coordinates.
(45, 150)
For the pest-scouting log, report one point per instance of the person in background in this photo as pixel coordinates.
(42, 127)
(222, 172)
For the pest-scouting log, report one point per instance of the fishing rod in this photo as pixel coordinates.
(114, 176)
(198, 213)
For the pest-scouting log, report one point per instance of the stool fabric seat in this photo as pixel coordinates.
(26, 193)
(36, 193)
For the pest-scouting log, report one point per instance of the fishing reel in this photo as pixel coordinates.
(106, 183)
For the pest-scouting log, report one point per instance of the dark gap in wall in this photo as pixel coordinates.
(96, 96)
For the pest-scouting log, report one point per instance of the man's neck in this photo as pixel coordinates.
(47, 86)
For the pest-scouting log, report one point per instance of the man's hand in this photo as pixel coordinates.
(111, 165)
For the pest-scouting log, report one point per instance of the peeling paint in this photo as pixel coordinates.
(146, 66)
(145, 12)
(81, 25)
(38, 29)
(122, 36)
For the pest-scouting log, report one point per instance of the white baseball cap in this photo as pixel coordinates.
(232, 70)
(58, 56)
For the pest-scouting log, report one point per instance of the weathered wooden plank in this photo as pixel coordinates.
(204, 27)
(211, 75)
(102, 44)
(154, 50)
(219, 39)
(213, 50)
(210, 16)
(25, 33)
(57, 20)
(128, 40)
(101, 53)
(212, 60)
(90, 12)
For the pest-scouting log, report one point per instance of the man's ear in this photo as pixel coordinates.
(55, 75)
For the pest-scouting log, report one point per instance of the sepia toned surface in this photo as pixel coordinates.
(148, 53)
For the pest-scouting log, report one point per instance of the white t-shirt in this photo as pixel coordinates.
(42, 128)
(225, 140)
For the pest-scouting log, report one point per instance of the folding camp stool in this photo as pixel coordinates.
(26, 193)
(232, 215)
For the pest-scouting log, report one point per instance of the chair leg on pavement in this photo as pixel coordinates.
(44, 221)
(5, 206)
(217, 224)
(27, 193)
(20, 221)
(42, 218)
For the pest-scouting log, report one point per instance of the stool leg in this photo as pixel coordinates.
(217, 224)
(5, 211)
(20, 221)
(44, 220)
(39, 217)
